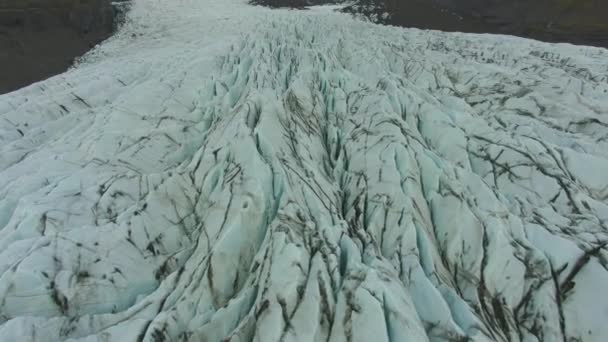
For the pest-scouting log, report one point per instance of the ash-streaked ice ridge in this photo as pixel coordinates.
(224, 172)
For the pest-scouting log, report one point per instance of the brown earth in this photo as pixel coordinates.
(41, 38)
(575, 21)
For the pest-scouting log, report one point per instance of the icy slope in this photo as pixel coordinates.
(223, 172)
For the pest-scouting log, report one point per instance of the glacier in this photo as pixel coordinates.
(224, 172)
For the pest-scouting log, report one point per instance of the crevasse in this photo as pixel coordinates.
(223, 172)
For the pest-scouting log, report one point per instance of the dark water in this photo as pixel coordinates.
(583, 22)
(41, 38)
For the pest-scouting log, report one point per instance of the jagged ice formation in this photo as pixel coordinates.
(223, 172)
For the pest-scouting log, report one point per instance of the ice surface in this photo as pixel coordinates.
(224, 172)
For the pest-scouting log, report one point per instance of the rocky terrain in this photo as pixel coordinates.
(40, 38)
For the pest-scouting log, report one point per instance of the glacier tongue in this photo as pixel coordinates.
(223, 172)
